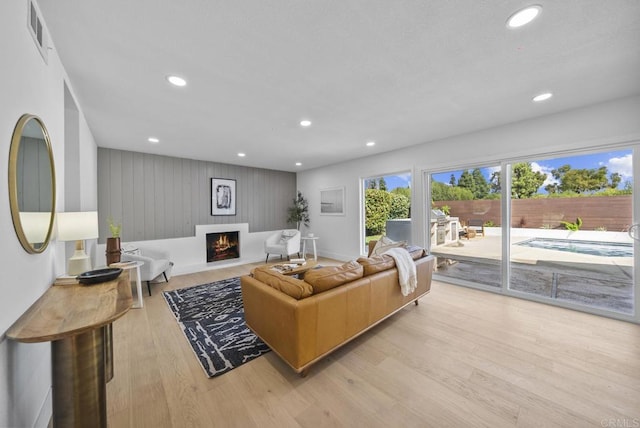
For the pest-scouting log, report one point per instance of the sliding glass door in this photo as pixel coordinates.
(561, 224)
(464, 228)
(569, 222)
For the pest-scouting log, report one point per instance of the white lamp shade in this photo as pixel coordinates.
(75, 226)
(35, 226)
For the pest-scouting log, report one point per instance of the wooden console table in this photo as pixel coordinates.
(77, 319)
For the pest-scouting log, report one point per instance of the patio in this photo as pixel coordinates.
(597, 281)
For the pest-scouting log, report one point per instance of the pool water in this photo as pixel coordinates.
(595, 248)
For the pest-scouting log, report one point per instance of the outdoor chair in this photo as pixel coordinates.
(476, 225)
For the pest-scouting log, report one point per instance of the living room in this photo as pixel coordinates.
(595, 119)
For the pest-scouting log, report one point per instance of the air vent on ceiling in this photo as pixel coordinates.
(34, 23)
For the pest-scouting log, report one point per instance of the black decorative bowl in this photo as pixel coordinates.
(98, 276)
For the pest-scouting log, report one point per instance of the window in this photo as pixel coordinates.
(387, 208)
(36, 30)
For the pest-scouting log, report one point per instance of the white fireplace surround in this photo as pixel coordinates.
(189, 254)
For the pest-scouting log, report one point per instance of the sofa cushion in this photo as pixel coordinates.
(375, 264)
(293, 287)
(384, 244)
(326, 278)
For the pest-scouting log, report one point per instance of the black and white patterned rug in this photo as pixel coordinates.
(211, 317)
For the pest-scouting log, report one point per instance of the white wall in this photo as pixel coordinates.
(28, 85)
(591, 127)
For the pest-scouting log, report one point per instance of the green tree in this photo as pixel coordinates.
(399, 206)
(481, 187)
(466, 181)
(580, 181)
(406, 191)
(382, 184)
(524, 181)
(616, 178)
(377, 207)
(370, 183)
(494, 182)
(443, 192)
(557, 173)
(452, 180)
(475, 182)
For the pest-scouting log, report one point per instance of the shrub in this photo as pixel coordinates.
(445, 209)
(574, 227)
(399, 206)
(377, 208)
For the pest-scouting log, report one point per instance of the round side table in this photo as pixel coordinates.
(128, 266)
(313, 240)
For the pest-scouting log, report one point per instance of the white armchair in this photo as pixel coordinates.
(284, 243)
(156, 263)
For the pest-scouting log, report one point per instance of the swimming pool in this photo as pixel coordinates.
(596, 248)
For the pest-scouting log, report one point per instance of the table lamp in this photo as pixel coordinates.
(78, 226)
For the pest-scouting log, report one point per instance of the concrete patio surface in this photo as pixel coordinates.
(599, 281)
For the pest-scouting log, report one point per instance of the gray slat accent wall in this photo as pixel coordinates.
(160, 197)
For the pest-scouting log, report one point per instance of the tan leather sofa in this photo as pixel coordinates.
(303, 328)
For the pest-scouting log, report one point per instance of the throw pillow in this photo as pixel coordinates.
(416, 252)
(385, 243)
(385, 240)
(130, 249)
(286, 235)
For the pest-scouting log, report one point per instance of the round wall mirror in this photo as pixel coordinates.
(32, 183)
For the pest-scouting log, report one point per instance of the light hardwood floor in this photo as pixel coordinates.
(462, 357)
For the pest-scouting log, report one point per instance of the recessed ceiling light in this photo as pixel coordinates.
(305, 123)
(241, 155)
(298, 163)
(176, 80)
(371, 143)
(542, 97)
(153, 140)
(524, 16)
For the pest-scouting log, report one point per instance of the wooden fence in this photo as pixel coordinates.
(612, 213)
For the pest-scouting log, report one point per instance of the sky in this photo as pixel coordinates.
(615, 161)
(398, 180)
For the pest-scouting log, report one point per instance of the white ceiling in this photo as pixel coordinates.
(399, 72)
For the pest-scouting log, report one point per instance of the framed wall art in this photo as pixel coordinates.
(332, 201)
(223, 196)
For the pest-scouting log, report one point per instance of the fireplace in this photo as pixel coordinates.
(223, 246)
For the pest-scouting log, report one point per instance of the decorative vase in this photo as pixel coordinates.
(113, 250)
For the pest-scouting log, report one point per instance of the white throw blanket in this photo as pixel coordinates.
(406, 270)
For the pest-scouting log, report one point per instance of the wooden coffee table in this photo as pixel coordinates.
(299, 270)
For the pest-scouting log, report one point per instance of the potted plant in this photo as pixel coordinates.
(299, 212)
(113, 243)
